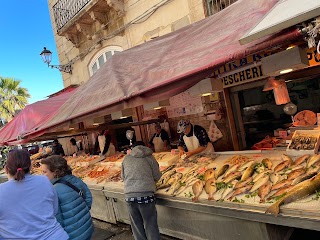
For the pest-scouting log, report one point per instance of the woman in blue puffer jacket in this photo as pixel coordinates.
(74, 196)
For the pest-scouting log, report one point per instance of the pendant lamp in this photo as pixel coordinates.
(281, 94)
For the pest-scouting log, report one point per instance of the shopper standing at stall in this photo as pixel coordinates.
(28, 203)
(193, 139)
(160, 140)
(140, 172)
(74, 196)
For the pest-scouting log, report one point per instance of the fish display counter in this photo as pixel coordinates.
(228, 195)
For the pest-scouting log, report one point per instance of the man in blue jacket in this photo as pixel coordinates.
(140, 172)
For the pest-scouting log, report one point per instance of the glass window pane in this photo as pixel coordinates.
(108, 55)
(101, 61)
(94, 68)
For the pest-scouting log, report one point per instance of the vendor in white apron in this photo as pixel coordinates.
(104, 142)
(160, 140)
(193, 139)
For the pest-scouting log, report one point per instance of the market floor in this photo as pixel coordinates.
(121, 231)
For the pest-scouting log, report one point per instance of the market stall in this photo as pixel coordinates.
(227, 213)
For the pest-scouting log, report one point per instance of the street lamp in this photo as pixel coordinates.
(47, 56)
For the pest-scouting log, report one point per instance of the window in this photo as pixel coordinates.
(215, 6)
(101, 57)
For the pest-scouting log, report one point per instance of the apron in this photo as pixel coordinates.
(158, 144)
(102, 142)
(192, 143)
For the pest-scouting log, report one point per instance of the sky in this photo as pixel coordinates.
(25, 28)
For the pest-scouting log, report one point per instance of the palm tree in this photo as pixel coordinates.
(12, 97)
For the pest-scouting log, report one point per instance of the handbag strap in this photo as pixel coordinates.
(71, 186)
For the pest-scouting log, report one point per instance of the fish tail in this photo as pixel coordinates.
(195, 199)
(274, 209)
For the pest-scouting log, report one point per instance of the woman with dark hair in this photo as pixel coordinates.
(28, 203)
(74, 196)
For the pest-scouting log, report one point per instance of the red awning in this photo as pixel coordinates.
(170, 64)
(31, 118)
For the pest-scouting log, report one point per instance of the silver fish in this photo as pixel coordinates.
(301, 159)
(264, 190)
(313, 159)
(241, 184)
(299, 191)
(248, 172)
(231, 169)
(221, 171)
(259, 183)
(197, 189)
(239, 191)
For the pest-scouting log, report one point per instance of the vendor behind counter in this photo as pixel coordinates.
(193, 139)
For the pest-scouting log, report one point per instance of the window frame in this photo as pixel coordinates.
(102, 52)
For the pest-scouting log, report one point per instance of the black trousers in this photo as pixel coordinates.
(144, 223)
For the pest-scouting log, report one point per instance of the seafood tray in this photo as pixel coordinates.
(304, 142)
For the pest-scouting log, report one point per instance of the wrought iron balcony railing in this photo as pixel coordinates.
(215, 6)
(65, 10)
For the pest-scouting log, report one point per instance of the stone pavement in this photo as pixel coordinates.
(121, 231)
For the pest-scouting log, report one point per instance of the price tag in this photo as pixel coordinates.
(100, 169)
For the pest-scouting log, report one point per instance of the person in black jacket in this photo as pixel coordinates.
(57, 148)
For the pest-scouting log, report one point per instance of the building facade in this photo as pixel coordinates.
(89, 32)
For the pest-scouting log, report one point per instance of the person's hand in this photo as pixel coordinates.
(181, 152)
(188, 154)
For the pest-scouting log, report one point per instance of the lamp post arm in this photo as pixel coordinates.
(67, 68)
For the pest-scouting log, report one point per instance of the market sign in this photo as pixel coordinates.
(314, 59)
(245, 75)
(313, 56)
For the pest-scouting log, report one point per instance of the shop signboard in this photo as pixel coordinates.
(243, 75)
(313, 56)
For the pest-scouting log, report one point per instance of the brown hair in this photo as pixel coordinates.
(58, 165)
(18, 164)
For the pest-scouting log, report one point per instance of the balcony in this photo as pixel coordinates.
(77, 19)
(215, 6)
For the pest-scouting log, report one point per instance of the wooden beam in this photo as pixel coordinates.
(101, 127)
(231, 121)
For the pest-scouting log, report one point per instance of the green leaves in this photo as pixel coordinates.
(12, 97)
(201, 177)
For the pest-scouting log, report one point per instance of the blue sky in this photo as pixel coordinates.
(25, 28)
